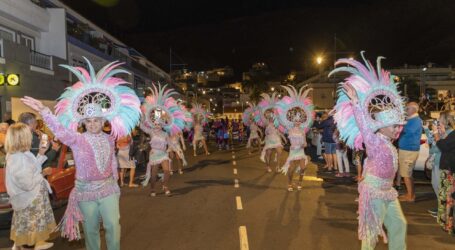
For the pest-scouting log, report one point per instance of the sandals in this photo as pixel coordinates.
(290, 188)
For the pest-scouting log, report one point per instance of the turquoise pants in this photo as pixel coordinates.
(108, 209)
(394, 221)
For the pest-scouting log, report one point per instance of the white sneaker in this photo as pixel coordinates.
(47, 245)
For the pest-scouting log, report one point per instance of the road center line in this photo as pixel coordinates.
(235, 171)
(238, 200)
(243, 238)
(236, 183)
(234, 163)
(233, 157)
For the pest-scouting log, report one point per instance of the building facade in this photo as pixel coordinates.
(38, 35)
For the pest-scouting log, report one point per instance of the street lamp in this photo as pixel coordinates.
(272, 89)
(319, 60)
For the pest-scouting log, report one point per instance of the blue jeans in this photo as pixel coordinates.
(330, 148)
(108, 210)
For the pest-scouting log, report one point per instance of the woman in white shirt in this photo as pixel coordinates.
(33, 219)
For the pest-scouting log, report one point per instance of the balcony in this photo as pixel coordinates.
(40, 60)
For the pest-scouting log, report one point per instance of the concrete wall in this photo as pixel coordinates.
(44, 85)
(53, 42)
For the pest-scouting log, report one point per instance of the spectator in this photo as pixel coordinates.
(342, 155)
(7, 119)
(33, 219)
(328, 127)
(3, 129)
(30, 120)
(409, 146)
(446, 201)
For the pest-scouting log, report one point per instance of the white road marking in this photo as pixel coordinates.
(238, 200)
(234, 163)
(243, 238)
(235, 171)
(233, 157)
(236, 183)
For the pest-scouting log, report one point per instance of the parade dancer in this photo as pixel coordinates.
(255, 132)
(177, 143)
(200, 120)
(296, 116)
(162, 118)
(266, 117)
(369, 110)
(93, 100)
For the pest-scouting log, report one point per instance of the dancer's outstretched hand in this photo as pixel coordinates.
(33, 103)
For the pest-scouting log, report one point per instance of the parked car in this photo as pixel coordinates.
(61, 181)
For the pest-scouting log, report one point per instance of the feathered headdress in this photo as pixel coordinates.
(99, 95)
(378, 96)
(266, 107)
(188, 117)
(199, 113)
(248, 114)
(296, 107)
(161, 109)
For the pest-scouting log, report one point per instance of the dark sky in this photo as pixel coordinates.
(284, 34)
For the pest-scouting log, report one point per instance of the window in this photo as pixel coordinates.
(28, 41)
(79, 63)
(7, 34)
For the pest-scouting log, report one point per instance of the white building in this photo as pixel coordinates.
(38, 35)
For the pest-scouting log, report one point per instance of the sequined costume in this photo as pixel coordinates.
(254, 134)
(377, 105)
(175, 146)
(95, 196)
(158, 152)
(272, 140)
(198, 133)
(296, 152)
(295, 113)
(96, 169)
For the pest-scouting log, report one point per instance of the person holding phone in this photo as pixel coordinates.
(33, 219)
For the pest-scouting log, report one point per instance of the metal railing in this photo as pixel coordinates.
(40, 60)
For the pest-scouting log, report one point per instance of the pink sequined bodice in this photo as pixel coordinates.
(93, 153)
(382, 158)
(198, 129)
(297, 138)
(271, 130)
(158, 140)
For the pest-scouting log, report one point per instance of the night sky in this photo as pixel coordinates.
(286, 35)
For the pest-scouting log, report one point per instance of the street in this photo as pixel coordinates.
(209, 208)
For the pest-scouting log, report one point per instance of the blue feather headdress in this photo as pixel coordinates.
(99, 95)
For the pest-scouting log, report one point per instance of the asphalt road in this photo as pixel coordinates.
(211, 210)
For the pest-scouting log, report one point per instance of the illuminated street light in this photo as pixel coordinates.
(211, 99)
(319, 60)
(203, 92)
(238, 102)
(272, 89)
